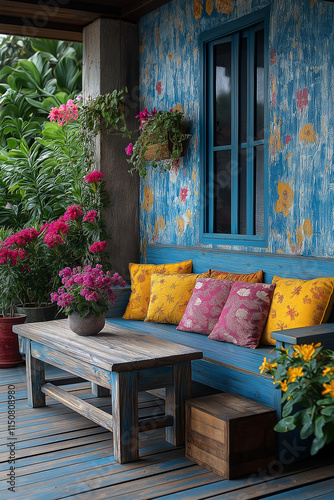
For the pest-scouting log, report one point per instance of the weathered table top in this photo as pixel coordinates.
(114, 348)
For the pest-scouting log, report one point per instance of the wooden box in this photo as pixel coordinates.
(230, 435)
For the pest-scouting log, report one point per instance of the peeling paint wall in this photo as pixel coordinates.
(301, 120)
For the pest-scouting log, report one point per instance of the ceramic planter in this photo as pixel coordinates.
(9, 346)
(36, 314)
(90, 325)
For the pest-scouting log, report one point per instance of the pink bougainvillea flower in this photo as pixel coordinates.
(183, 194)
(94, 176)
(287, 139)
(90, 216)
(73, 212)
(98, 246)
(302, 98)
(129, 149)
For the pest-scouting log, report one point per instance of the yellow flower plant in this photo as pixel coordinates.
(305, 375)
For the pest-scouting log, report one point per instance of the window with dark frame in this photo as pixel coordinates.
(234, 121)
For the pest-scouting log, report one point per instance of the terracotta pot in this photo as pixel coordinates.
(90, 325)
(37, 314)
(9, 346)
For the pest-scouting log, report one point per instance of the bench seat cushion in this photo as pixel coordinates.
(242, 358)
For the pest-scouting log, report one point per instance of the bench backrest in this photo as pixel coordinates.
(286, 266)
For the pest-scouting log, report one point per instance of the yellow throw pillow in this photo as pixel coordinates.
(298, 303)
(141, 281)
(249, 278)
(170, 296)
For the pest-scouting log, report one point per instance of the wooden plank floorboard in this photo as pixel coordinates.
(317, 490)
(62, 455)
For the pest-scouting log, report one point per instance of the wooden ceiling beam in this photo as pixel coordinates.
(53, 34)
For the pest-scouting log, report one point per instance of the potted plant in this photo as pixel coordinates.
(305, 375)
(85, 297)
(162, 134)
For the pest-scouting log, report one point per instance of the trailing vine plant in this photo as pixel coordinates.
(103, 112)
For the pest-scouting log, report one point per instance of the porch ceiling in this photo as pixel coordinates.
(65, 19)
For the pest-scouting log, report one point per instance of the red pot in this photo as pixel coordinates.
(9, 345)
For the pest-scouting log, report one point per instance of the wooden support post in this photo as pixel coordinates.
(175, 402)
(99, 391)
(125, 416)
(35, 378)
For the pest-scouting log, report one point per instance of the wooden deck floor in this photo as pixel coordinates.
(59, 454)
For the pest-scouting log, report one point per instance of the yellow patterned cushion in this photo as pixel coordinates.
(298, 303)
(170, 296)
(141, 281)
(256, 277)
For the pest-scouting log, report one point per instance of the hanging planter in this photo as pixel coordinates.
(158, 151)
(162, 138)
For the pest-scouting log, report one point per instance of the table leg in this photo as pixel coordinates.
(175, 402)
(35, 378)
(125, 416)
(99, 391)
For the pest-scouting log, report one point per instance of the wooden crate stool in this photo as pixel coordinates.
(230, 435)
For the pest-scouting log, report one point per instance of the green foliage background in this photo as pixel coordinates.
(40, 163)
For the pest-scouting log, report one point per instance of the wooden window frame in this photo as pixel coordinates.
(256, 20)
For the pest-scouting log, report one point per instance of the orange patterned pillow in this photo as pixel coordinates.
(170, 296)
(298, 303)
(141, 281)
(249, 278)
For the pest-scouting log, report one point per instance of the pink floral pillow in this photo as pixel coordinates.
(205, 305)
(244, 315)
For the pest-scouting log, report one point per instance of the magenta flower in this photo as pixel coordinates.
(129, 149)
(90, 216)
(86, 290)
(73, 212)
(94, 176)
(98, 246)
(183, 194)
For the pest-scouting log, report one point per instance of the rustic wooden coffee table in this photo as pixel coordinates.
(125, 362)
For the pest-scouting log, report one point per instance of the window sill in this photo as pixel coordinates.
(233, 239)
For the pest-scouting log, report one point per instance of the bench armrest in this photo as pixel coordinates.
(306, 335)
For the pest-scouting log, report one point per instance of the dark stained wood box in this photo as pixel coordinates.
(229, 434)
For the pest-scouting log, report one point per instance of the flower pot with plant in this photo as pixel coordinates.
(162, 134)
(85, 297)
(305, 375)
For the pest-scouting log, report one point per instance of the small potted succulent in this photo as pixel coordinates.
(85, 297)
(305, 375)
(162, 134)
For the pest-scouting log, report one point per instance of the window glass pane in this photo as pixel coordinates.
(222, 64)
(242, 200)
(243, 91)
(259, 189)
(222, 192)
(259, 86)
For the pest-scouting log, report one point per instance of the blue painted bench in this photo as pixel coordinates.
(225, 366)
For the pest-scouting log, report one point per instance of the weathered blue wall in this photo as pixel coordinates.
(301, 119)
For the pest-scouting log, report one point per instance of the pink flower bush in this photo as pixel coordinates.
(87, 290)
(98, 246)
(21, 238)
(65, 113)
